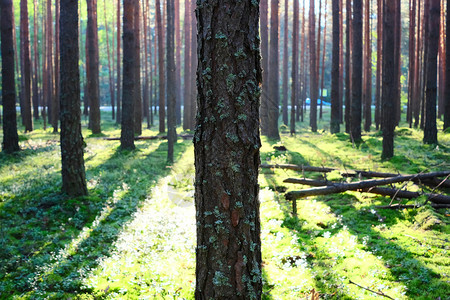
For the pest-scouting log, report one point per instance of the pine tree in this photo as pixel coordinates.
(335, 118)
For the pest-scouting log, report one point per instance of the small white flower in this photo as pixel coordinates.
(327, 234)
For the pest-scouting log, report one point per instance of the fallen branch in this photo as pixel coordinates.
(157, 137)
(334, 188)
(367, 289)
(435, 206)
(298, 168)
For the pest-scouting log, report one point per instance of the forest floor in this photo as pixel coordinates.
(134, 236)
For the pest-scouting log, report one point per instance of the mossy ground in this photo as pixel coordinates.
(134, 236)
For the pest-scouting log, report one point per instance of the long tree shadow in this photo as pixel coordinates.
(29, 151)
(39, 258)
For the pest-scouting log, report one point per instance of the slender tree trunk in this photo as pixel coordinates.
(44, 71)
(302, 67)
(36, 65)
(368, 70)
(412, 60)
(442, 62)
(194, 63)
(162, 102)
(10, 137)
(137, 70)
(129, 61)
(93, 74)
(171, 81)
(335, 118)
(187, 66)
(111, 79)
(430, 128)
(313, 67)
(72, 145)
(348, 74)
(322, 81)
(447, 72)
(273, 76)
(27, 118)
(379, 64)
(357, 62)
(146, 94)
(389, 72)
(341, 61)
(49, 57)
(418, 63)
(228, 227)
(286, 63)
(425, 40)
(55, 104)
(294, 76)
(319, 31)
(398, 62)
(119, 78)
(178, 60)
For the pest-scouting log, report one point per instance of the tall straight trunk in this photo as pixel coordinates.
(430, 128)
(93, 74)
(286, 63)
(341, 61)
(49, 55)
(194, 63)
(162, 102)
(178, 60)
(137, 70)
(418, 64)
(357, 62)
(228, 228)
(129, 61)
(119, 78)
(319, 34)
(147, 51)
(302, 67)
(86, 56)
(294, 76)
(322, 80)
(10, 137)
(264, 30)
(55, 104)
(412, 60)
(389, 72)
(348, 74)
(72, 145)
(442, 63)
(187, 65)
(313, 67)
(171, 80)
(36, 64)
(379, 64)
(17, 58)
(368, 70)
(398, 63)
(111, 79)
(426, 46)
(27, 118)
(447, 72)
(44, 75)
(335, 118)
(273, 80)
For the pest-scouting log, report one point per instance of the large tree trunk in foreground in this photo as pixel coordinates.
(430, 129)
(129, 59)
(93, 74)
(72, 145)
(335, 117)
(10, 137)
(227, 160)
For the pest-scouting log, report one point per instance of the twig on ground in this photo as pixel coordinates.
(367, 289)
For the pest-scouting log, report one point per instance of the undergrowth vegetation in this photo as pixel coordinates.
(133, 237)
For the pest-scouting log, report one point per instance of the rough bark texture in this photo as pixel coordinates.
(227, 152)
(25, 56)
(312, 67)
(286, 63)
(137, 70)
(72, 168)
(357, 63)
(335, 118)
(264, 30)
(295, 83)
(430, 129)
(127, 133)
(10, 137)
(388, 87)
(171, 80)
(162, 89)
(274, 76)
(93, 74)
(447, 73)
(187, 65)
